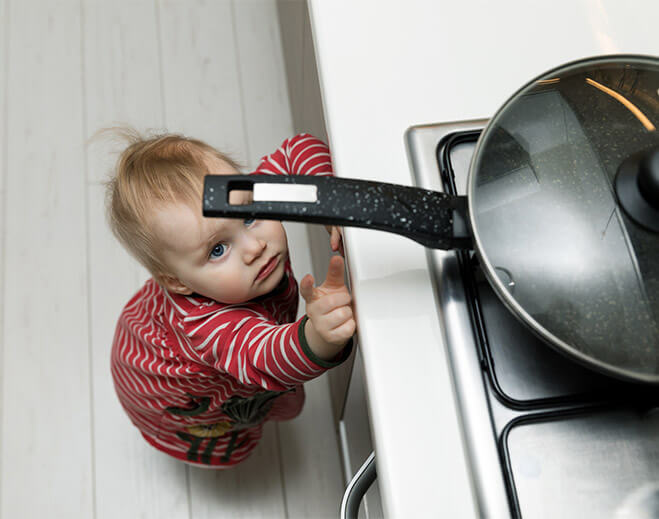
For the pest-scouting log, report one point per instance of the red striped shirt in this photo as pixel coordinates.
(198, 378)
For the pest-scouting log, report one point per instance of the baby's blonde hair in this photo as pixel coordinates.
(151, 170)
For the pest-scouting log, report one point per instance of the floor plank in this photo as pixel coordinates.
(250, 490)
(310, 457)
(313, 119)
(46, 448)
(291, 15)
(202, 95)
(267, 111)
(4, 66)
(121, 74)
(2, 327)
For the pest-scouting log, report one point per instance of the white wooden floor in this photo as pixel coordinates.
(213, 70)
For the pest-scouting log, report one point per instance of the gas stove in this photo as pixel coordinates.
(544, 436)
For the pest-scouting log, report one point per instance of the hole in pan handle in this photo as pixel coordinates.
(432, 218)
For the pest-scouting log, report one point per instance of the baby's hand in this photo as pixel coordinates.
(331, 323)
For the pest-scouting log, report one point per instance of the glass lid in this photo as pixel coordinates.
(558, 246)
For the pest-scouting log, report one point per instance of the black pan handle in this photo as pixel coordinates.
(432, 218)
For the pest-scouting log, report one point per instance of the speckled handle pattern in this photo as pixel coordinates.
(424, 216)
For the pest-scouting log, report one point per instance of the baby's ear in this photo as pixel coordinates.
(173, 284)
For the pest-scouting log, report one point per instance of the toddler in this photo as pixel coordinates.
(209, 349)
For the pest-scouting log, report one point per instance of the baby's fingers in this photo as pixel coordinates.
(344, 332)
(337, 317)
(306, 288)
(335, 238)
(336, 300)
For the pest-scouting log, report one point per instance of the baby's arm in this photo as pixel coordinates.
(242, 341)
(303, 154)
(331, 323)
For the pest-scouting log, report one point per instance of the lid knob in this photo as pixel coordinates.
(637, 187)
(648, 177)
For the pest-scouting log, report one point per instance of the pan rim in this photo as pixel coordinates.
(504, 295)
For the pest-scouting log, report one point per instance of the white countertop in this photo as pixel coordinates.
(387, 65)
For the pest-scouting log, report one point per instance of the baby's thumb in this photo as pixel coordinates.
(306, 288)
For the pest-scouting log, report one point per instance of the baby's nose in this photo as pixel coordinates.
(253, 248)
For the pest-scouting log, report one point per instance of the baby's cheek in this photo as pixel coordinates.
(226, 286)
(240, 287)
(283, 239)
(217, 286)
(276, 230)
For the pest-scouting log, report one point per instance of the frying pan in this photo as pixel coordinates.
(562, 209)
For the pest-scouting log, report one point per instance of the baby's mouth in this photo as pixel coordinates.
(268, 268)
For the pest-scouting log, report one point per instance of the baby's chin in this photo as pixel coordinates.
(276, 282)
(275, 279)
(227, 299)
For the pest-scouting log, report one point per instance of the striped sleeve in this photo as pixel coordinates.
(252, 349)
(303, 154)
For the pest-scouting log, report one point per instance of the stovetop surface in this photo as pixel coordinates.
(536, 424)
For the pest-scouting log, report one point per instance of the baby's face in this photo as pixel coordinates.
(228, 260)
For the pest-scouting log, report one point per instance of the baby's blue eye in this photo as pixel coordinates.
(217, 251)
(249, 221)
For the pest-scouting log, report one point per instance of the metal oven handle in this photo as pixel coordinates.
(358, 486)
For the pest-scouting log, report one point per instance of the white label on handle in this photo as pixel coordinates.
(285, 193)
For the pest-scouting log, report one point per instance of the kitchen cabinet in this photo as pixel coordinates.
(355, 437)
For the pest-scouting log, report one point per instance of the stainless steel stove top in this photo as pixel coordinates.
(545, 437)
